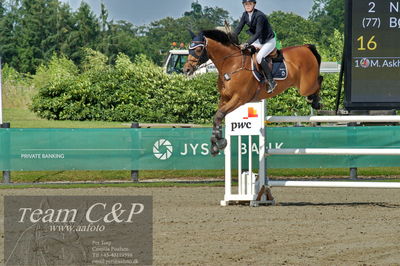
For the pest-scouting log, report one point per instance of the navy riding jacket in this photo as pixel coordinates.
(259, 27)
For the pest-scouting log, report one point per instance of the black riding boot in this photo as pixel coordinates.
(268, 75)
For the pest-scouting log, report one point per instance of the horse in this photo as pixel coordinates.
(236, 83)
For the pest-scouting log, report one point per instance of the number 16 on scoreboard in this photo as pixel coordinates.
(370, 45)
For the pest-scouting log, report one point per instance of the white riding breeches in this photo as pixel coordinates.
(265, 49)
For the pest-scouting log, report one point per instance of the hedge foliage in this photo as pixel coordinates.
(128, 91)
(290, 103)
(140, 91)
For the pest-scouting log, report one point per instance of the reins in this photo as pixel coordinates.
(242, 68)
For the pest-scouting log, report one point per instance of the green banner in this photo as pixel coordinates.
(69, 149)
(181, 149)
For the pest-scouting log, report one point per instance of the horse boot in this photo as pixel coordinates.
(265, 65)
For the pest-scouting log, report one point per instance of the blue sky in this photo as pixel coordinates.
(141, 12)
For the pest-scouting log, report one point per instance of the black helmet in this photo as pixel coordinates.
(245, 1)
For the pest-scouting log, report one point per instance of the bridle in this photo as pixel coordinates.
(203, 57)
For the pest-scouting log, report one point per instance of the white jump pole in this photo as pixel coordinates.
(333, 119)
(334, 184)
(326, 151)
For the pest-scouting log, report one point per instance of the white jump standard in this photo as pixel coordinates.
(254, 189)
(247, 120)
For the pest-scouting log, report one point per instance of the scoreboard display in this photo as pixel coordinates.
(372, 56)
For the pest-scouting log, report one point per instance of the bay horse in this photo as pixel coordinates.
(236, 82)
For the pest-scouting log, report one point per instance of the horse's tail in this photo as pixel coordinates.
(315, 52)
(316, 105)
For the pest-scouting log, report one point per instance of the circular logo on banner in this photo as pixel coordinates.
(162, 149)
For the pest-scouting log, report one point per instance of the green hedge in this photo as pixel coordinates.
(291, 103)
(139, 91)
(129, 91)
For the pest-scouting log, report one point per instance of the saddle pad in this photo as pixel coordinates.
(279, 71)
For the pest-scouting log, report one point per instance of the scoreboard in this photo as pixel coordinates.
(372, 54)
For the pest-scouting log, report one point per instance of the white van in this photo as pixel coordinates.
(176, 60)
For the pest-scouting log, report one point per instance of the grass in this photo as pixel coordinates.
(24, 118)
(103, 176)
(121, 185)
(17, 94)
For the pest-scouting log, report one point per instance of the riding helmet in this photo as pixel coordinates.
(245, 1)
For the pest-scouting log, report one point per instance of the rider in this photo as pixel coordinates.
(262, 37)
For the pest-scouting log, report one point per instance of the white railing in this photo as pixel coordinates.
(327, 151)
(333, 119)
(333, 184)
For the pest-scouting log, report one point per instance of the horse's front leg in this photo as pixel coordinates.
(217, 141)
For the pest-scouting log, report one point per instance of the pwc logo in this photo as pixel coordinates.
(251, 113)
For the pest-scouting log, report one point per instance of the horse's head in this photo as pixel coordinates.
(197, 53)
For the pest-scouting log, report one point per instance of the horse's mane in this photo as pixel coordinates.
(221, 37)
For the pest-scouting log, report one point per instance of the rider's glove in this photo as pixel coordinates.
(244, 46)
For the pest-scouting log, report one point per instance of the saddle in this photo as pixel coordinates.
(277, 64)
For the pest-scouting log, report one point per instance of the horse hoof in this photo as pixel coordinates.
(316, 105)
(222, 143)
(214, 150)
(310, 99)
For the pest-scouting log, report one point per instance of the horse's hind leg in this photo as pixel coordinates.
(314, 99)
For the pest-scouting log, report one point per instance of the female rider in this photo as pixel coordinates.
(262, 37)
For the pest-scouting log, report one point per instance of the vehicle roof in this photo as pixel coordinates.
(183, 52)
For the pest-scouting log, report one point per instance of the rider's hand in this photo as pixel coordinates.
(244, 46)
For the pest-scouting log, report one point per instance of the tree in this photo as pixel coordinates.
(122, 37)
(31, 31)
(329, 14)
(292, 29)
(160, 34)
(196, 12)
(105, 34)
(65, 27)
(85, 32)
(215, 15)
(2, 8)
(58, 26)
(104, 18)
(8, 42)
(334, 51)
